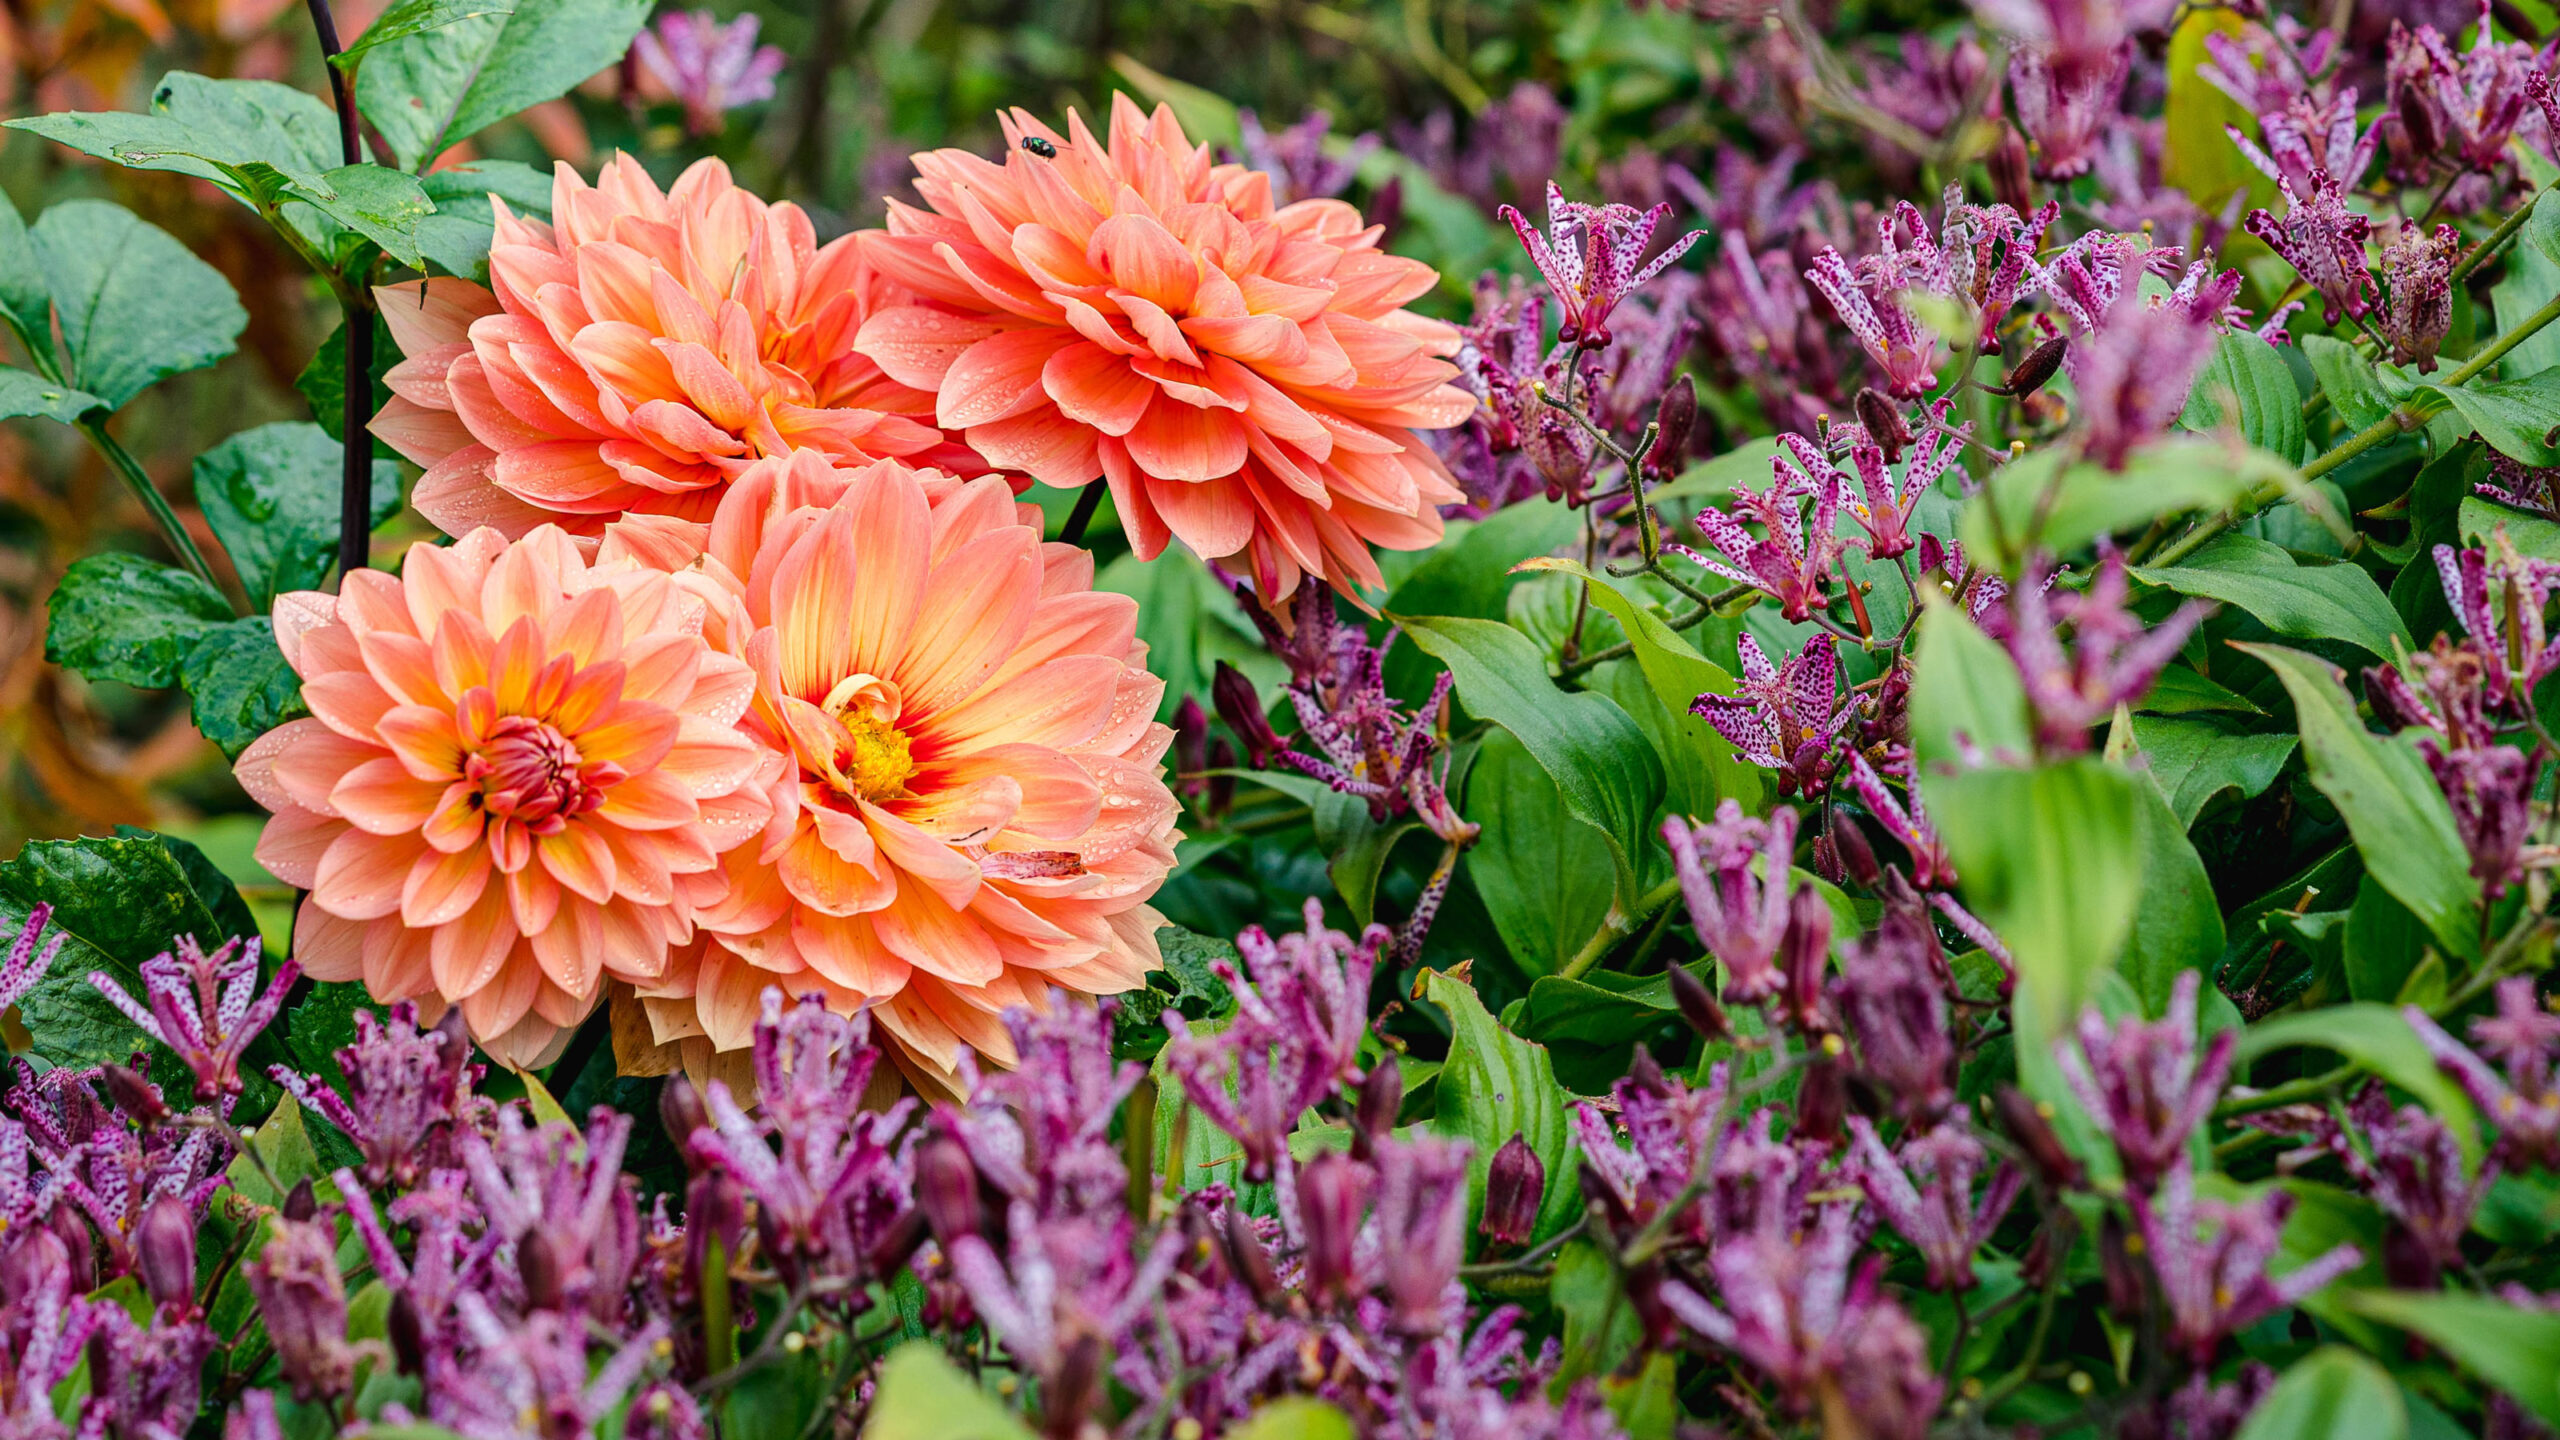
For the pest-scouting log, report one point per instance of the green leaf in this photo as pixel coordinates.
(2177, 926)
(2052, 858)
(1544, 878)
(25, 393)
(2246, 384)
(2513, 415)
(25, 306)
(2181, 691)
(2513, 1348)
(923, 1396)
(271, 496)
(2333, 1393)
(1590, 1026)
(116, 903)
(2087, 501)
(1357, 847)
(1677, 675)
(2362, 392)
(417, 17)
(1472, 576)
(1965, 695)
(2318, 602)
(1189, 623)
(2383, 946)
(2534, 536)
(2195, 760)
(456, 238)
(1600, 1327)
(285, 1147)
(1646, 1403)
(240, 684)
(269, 145)
(323, 382)
(2197, 155)
(426, 91)
(2401, 824)
(2378, 1038)
(134, 306)
(1294, 1417)
(1496, 1085)
(1598, 758)
(117, 616)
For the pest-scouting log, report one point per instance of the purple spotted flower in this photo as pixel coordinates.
(1793, 560)
(26, 964)
(1892, 992)
(1885, 511)
(2450, 697)
(1931, 869)
(2211, 1259)
(503, 1380)
(2417, 276)
(2440, 107)
(2112, 656)
(1788, 718)
(1867, 299)
(561, 1203)
(2308, 136)
(206, 1006)
(145, 1379)
(2066, 110)
(2498, 597)
(711, 66)
(303, 1300)
(408, 1093)
(2491, 791)
(1592, 257)
(1295, 158)
(1926, 1193)
(1741, 917)
(2144, 1083)
(2324, 243)
(2519, 1096)
(1674, 1135)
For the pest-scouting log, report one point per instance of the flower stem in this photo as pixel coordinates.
(1082, 516)
(130, 471)
(1617, 927)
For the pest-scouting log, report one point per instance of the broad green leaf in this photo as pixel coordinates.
(271, 495)
(1472, 576)
(1747, 464)
(2177, 926)
(2195, 760)
(323, 382)
(116, 903)
(2532, 278)
(1590, 1026)
(923, 1396)
(2542, 227)
(2533, 536)
(26, 393)
(117, 616)
(2333, 1393)
(2197, 155)
(2399, 819)
(417, 17)
(2245, 384)
(1190, 622)
(1497, 1085)
(1544, 878)
(426, 91)
(1357, 848)
(1294, 1417)
(1646, 1403)
(240, 684)
(2356, 387)
(2317, 602)
(2513, 1348)
(2181, 691)
(2052, 858)
(456, 238)
(1965, 697)
(271, 146)
(2378, 1038)
(2512, 415)
(2384, 946)
(537, 1097)
(1600, 1327)
(1597, 757)
(286, 1150)
(2087, 501)
(1677, 675)
(25, 306)
(133, 305)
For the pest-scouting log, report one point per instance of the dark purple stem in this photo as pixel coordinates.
(355, 479)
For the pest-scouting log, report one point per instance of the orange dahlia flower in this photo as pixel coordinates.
(519, 775)
(637, 354)
(973, 808)
(1244, 377)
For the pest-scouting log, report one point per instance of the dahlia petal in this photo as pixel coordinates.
(648, 800)
(819, 877)
(440, 887)
(976, 606)
(1058, 704)
(1041, 444)
(1214, 517)
(1092, 386)
(293, 842)
(470, 951)
(309, 764)
(949, 874)
(921, 930)
(328, 949)
(1182, 442)
(381, 797)
(847, 951)
(998, 378)
(361, 875)
(580, 860)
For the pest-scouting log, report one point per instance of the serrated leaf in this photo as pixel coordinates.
(429, 90)
(240, 684)
(120, 617)
(134, 306)
(2320, 602)
(2401, 824)
(271, 495)
(1496, 1085)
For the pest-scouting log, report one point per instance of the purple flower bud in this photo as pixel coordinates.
(1072, 1389)
(1882, 420)
(681, 1111)
(164, 1247)
(408, 1334)
(1190, 744)
(1251, 1260)
(1381, 1096)
(1515, 1184)
(2030, 1126)
(2144, 1084)
(538, 1264)
(2417, 273)
(302, 1201)
(2116, 1249)
(1241, 708)
(715, 1211)
(254, 1418)
(1804, 958)
(304, 1302)
(77, 1246)
(1674, 418)
(1222, 787)
(1822, 1100)
(1697, 1005)
(1333, 1193)
(2011, 183)
(947, 1188)
(130, 1093)
(2039, 366)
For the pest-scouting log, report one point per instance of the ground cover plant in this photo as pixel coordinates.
(1736, 721)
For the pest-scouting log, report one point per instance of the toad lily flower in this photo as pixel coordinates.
(26, 964)
(2144, 1084)
(1787, 718)
(2498, 596)
(2211, 1259)
(2523, 1039)
(2112, 657)
(2323, 241)
(1590, 257)
(1741, 917)
(1885, 514)
(2417, 273)
(1793, 563)
(713, 68)
(206, 1006)
(1937, 1212)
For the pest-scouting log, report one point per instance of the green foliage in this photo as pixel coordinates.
(2513, 1348)
(1544, 876)
(117, 616)
(2333, 1393)
(2378, 1038)
(436, 86)
(271, 496)
(2079, 502)
(2245, 385)
(132, 305)
(1496, 1085)
(2319, 602)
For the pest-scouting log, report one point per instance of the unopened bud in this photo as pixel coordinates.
(1644, 1074)
(2117, 1247)
(1070, 1393)
(1252, 1262)
(1332, 1194)
(1849, 846)
(1386, 208)
(1190, 744)
(947, 1189)
(2029, 1126)
(538, 1264)
(77, 1245)
(1515, 1184)
(1882, 419)
(133, 1095)
(37, 1264)
(1222, 787)
(1674, 418)
(1697, 1005)
(715, 1209)
(681, 1111)
(453, 1041)
(1561, 452)
(899, 1243)
(301, 1203)
(2037, 368)
(2010, 177)
(1381, 1096)
(1822, 1101)
(164, 1250)
(1241, 708)
(408, 1334)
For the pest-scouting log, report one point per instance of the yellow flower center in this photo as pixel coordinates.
(873, 757)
